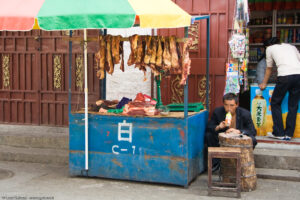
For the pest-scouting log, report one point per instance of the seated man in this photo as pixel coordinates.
(241, 123)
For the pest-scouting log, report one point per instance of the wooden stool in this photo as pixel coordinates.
(224, 152)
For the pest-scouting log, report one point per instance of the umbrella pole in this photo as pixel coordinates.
(86, 101)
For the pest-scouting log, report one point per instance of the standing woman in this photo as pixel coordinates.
(287, 59)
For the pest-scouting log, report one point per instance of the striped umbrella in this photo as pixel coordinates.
(21, 15)
(24, 15)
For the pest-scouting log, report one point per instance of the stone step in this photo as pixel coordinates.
(34, 155)
(43, 144)
(288, 159)
(34, 136)
(278, 174)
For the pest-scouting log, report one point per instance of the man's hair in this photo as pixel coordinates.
(271, 41)
(231, 96)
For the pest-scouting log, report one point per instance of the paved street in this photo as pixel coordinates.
(40, 181)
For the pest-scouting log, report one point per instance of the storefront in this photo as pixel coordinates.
(277, 18)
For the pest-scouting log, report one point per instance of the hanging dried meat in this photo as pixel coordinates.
(139, 60)
(148, 50)
(159, 53)
(179, 56)
(153, 51)
(133, 47)
(115, 48)
(141, 55)
(122, 52)
(174, 55)
(100, 58)
(109, 59)
(166, 54)
(186, 61)
(97, 59)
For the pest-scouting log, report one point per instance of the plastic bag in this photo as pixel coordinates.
(232, 78)
(237, 45)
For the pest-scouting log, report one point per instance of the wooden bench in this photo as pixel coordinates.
(224, 152)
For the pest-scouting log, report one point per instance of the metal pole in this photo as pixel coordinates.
(186, 87)
(207, 62)
(70, 75)
(103, 81)
(86, 102)
(158, 91)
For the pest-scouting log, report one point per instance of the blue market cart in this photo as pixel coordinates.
(151, 149)
(154, 149)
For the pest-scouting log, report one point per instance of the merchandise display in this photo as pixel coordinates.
(232, 78)
(237, 45)
(237, 66)
(285, 26)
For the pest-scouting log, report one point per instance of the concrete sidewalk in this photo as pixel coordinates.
(40, 181)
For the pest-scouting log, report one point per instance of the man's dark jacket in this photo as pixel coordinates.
(244, 122)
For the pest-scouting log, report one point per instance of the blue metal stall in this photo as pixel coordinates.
(151, 149)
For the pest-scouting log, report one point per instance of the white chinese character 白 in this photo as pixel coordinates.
(125, 131)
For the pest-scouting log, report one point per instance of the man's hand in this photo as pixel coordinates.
(222, 125)
(233, 130)
(262, 86)
(268, 72)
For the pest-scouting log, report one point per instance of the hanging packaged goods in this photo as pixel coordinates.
(237, 45)
(159, 54)
(237, 65)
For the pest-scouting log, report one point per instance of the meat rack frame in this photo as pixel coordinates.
(103, 81)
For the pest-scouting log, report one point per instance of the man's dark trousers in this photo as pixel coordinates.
(284, 84)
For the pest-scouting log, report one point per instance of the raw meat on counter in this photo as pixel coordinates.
(140, 97)
(140, 108)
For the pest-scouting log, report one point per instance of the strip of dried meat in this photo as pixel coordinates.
(174, 55)
(133, 46)
(140, 51)
(122, 52)
(159, 53)
(109, 55)
(186, 62)
(97, 59)
(100, 57)
(115, 49)
(166, 54)
(148, 50)
(153, 50)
